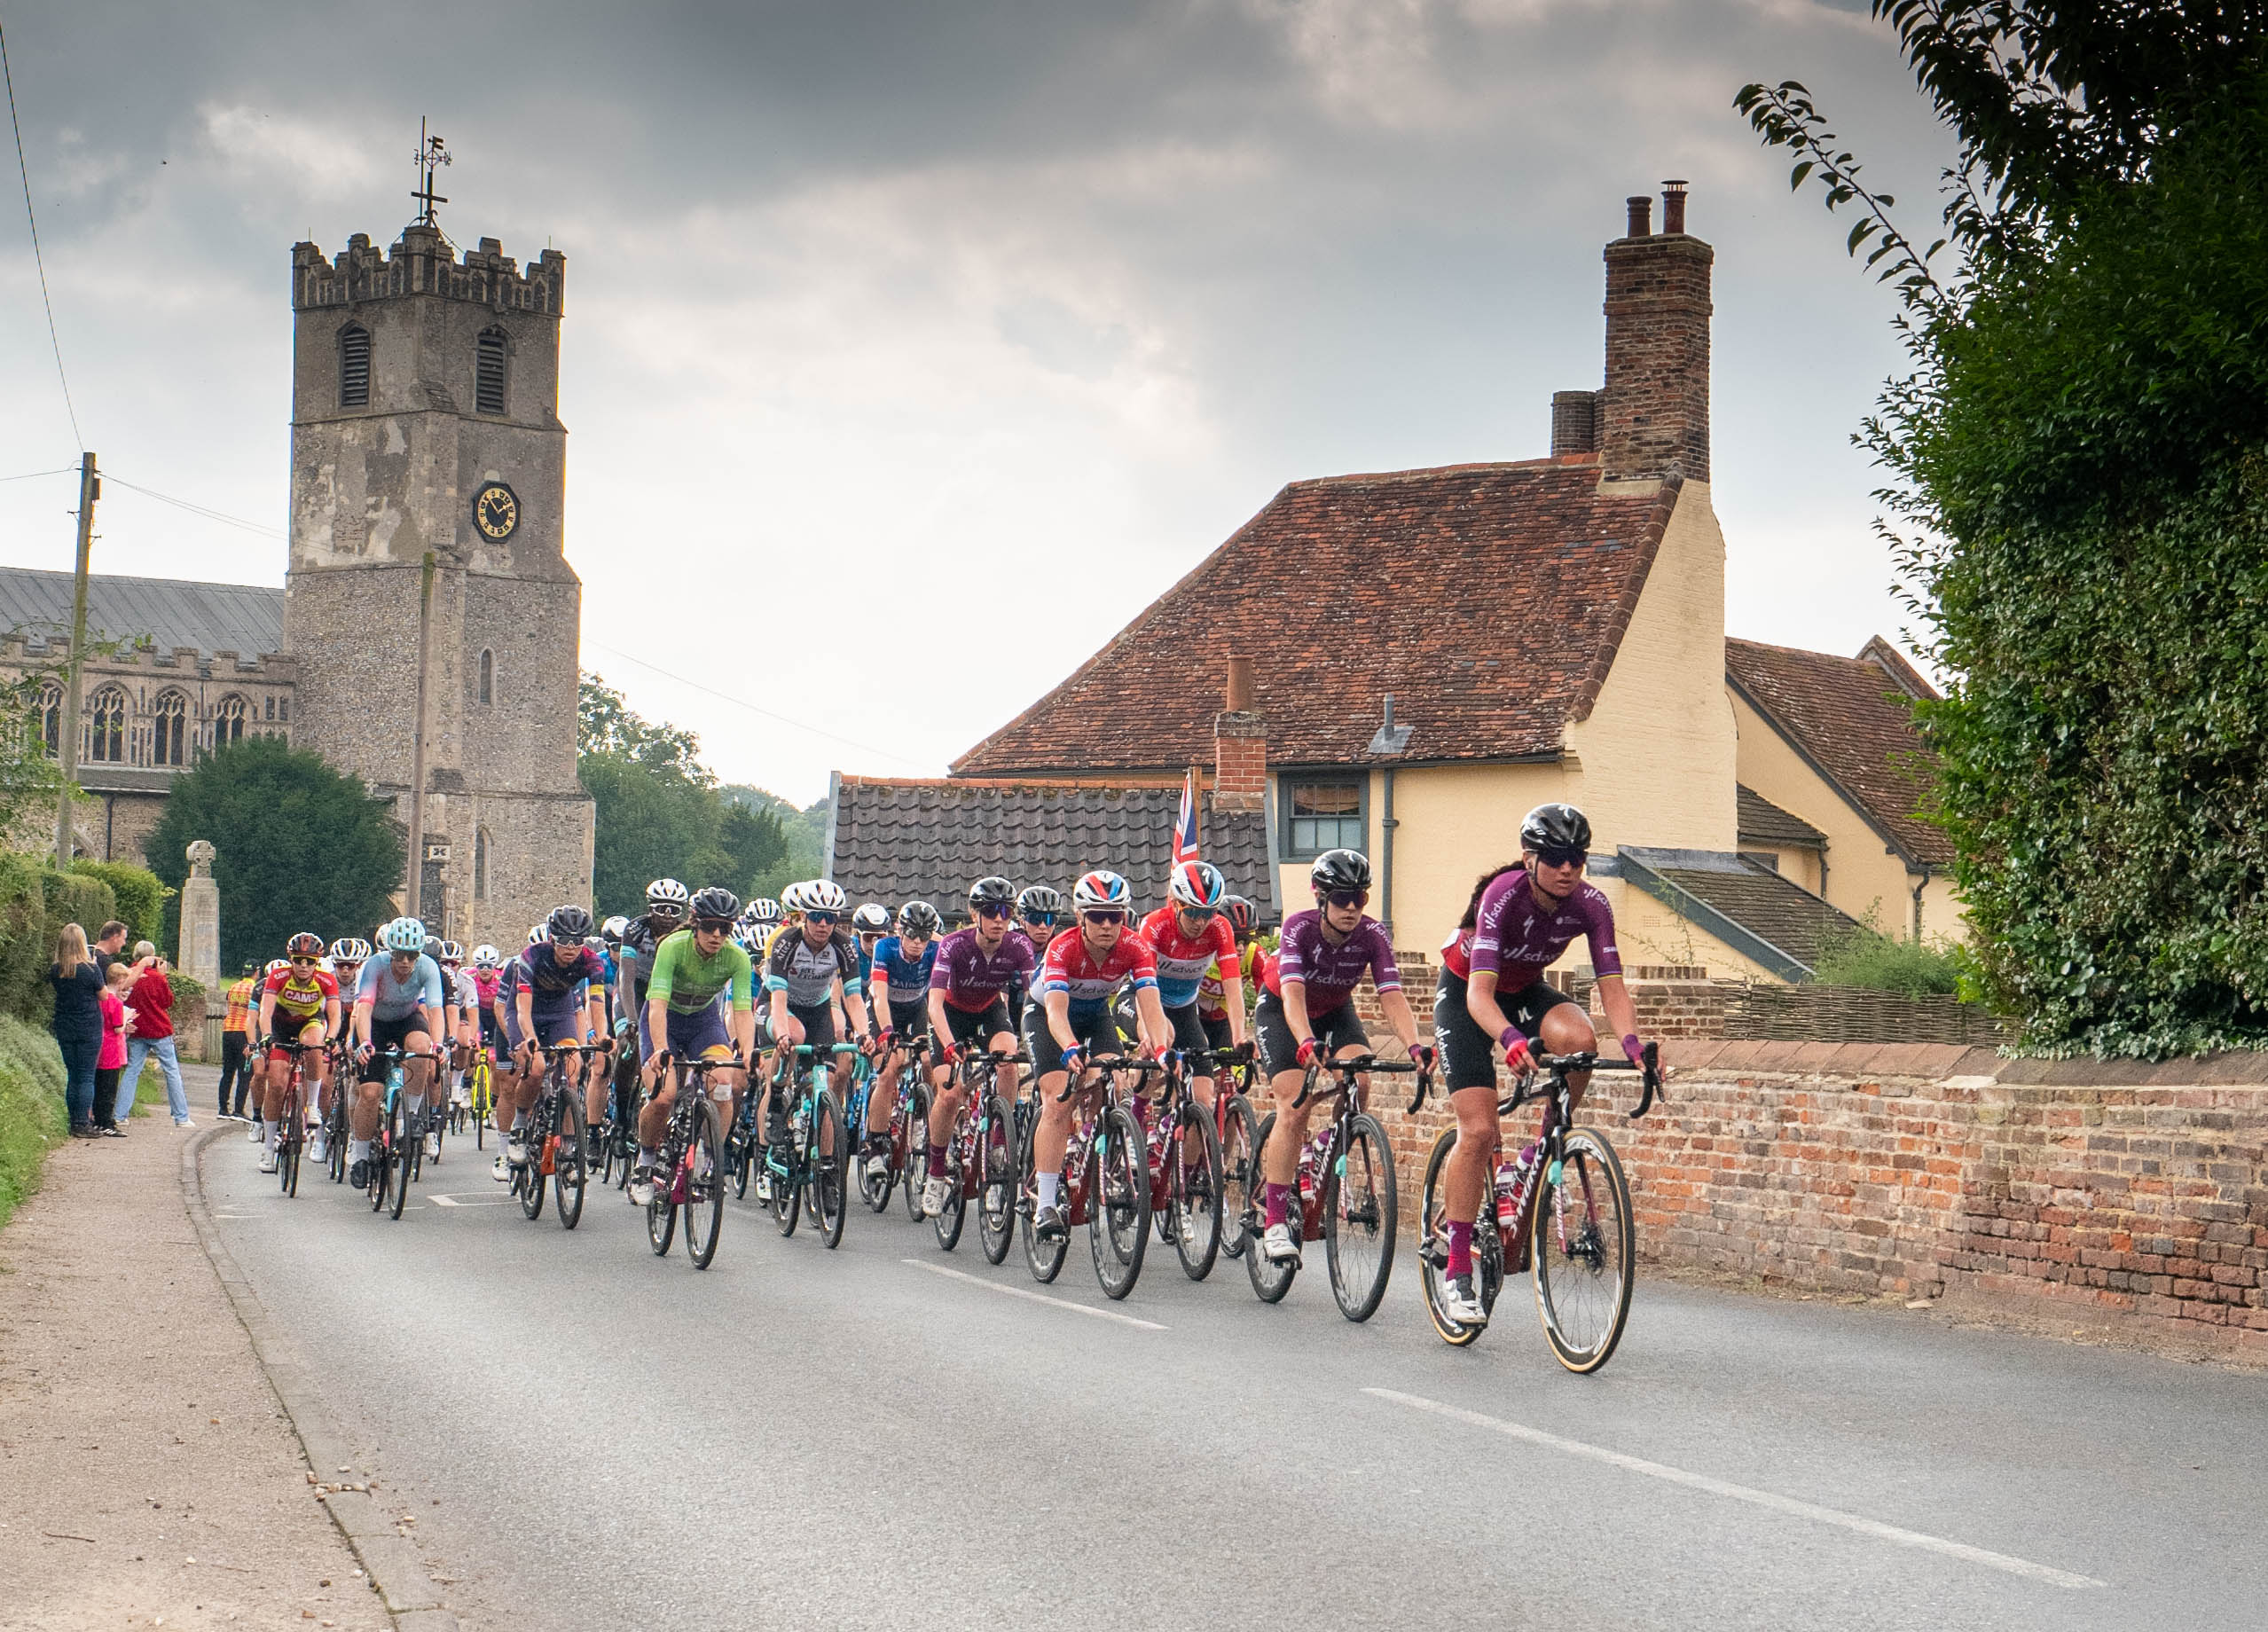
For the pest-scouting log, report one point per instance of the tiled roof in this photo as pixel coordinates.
(1764, 822)
(1489, 599)
(172, 613)
(1848, 716)
(896, 841)
(1777, 911)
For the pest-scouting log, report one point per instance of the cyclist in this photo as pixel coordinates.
(1190, 937)
(695, 973)
(1492, 996)
(808, 970)
(509, 1111)
(397, 1005)
(459, 996)
(903, 963)
(1038, 910)
(869, 923)
(1081, 972)
(1249, 968)
(762, 917)
(1307, 1014)
(259, 1049)
(298, 1003)
(971, 987)
(563, 1000)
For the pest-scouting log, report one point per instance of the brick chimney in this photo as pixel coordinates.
(1239, 745)
(1652, 418)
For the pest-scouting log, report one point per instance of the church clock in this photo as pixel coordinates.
(496, 511)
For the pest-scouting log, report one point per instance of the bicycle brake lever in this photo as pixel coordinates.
(1649, 1065)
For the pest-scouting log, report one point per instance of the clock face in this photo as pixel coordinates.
(496, 511)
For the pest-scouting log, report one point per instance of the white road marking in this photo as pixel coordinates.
(1024, 1292)
(480, 1201)
(1777, 1503)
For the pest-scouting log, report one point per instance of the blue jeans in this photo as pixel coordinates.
(137, 1050)
(79, 1057)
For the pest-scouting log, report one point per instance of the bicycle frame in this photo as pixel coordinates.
(1348, 1102)
(1097, 1088)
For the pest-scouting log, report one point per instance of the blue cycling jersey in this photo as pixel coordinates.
(909, 979)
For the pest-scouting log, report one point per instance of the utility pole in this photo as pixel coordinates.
(416, 742)
(67, 744)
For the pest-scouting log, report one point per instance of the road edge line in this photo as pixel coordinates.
(391, 1564)
(1026, 1292)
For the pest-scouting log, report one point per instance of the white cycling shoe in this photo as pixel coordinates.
(502, 1171)
(267, 1161)
(935, 1194)
(642, 1188)
(1277, 1246)
(1461, 1303)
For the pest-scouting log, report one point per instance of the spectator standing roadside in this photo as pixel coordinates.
(109, 945)
(235, 1031)
(77, 1024)
(153, 1035)
(112, 1063)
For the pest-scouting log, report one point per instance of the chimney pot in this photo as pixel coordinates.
(1574, 422)
(1673, 206)
(1641, 215)
(1239, 697)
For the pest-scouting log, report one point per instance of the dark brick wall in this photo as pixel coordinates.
(1653, 416)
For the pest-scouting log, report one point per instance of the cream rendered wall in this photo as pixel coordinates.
(1797, 866)
(1653, 763)
(1943, 916)
(1863, 873)
(1455, 822)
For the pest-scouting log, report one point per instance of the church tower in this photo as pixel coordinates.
(424, 421)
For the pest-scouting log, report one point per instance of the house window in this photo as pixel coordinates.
(170, 730)
(106, 726)
(228, 720)
(488, 676)
(354, 366)
(480, 864)
(1322, 813)
(489, 380)
(49, 712)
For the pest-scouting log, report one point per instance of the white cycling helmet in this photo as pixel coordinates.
(1197, 883)
(764, 911)
(791, 899)
(1101, 889)
(667, 892)
(404, 935)
(872, 919)
(540, 934)
(487, 957)
(824, 894)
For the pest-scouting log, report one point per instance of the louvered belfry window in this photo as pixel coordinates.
(354, 366)
(488, 385)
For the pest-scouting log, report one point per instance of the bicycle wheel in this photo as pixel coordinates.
(1270, 1280)
(662, 1211)
(955, 1214)
(909, 1140)
(484, 1104)
(1045, 1257)
(395, 1178)
(1586, 1251)
(876, 1180)
(288, 1143)
(739, 1157)
(1002, 1178)
(787, 1182)
(1118, 1203)
(830, 1162)
(704, 1186)
(1240, 1180)
(1433, 1244)
(334, 1129)
(570, 1177)
(1360, 1217)
(537, 1134)
(1195, 1190)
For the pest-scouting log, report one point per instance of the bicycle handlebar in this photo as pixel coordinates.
(1107, 1063)
(1353, 1066)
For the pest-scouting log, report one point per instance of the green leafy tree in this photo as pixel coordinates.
(2081, 501)
(301, 847)
(29, 781)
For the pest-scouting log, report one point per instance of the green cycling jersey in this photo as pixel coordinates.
(688, 983)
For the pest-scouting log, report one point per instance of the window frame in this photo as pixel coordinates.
(119, 731)
(169, 719)
(1286, 781)
(346, 398)
(503, 339)
(486, 686)
(242, 718)
(47, 717)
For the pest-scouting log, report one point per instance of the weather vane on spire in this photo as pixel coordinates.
(430, 156)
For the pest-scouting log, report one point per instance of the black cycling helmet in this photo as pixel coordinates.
(1037, 900)
(715, 905)
(1560, 828)
(919, 918)
(1239, 911)
(1340, 870)
(569, 924)
(992, 891)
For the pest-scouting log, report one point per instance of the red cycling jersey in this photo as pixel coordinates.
(1183, 961)
(1072, 969)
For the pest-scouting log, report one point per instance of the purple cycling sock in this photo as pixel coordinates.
(1460, 1249)
(1279, 1203)
(937, 1161)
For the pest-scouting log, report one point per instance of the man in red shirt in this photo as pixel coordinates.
(151, 1001)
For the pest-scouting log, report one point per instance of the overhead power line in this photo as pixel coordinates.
(863, 748)
(38, 259)
(182, 503)
(61, 470)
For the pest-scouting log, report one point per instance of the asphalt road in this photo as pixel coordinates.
(801, 1438)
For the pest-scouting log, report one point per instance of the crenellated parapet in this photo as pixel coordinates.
(424, 261)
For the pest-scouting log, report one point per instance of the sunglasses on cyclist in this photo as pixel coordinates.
(1348, 897)
(713, 926)
(305, 962)
(1040, 918)
(825, 920)
(1561, 857)
(1200, 914)
(1108, 914)
(991, 909)
(664, 911)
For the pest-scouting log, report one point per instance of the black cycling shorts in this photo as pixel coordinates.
(978, 1027)
(1190, 1037)
(1279, 1049)
(386, 1034)
(1098, 1031)
(1468, 1054)
(910, 1021)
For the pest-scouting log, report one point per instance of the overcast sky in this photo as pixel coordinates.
(911, 347)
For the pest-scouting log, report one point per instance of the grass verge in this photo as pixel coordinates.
(33, 1120)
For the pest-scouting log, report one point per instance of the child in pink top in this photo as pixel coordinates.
(113, 1059)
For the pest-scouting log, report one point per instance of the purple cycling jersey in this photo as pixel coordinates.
(969, 979)
(1517, 940)
(1330, 973)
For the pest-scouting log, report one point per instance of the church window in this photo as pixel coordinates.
(106, 726)
(488, 382)
(283, 709)
(170, 733)
(488, 676)
(480, 865)
(228, 720)
(271, 707)
(50, 709)
(354, 366)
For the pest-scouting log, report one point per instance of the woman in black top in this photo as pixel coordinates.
(77, 1024)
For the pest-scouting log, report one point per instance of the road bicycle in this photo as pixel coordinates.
(1564, 1202)
(878, 1176)
(553, 1137)
(814, 1157)
(335, 1121)
(398, 1150)
(689, 1177)
(479, 1103)
(1344, 1192)
(980, 1158)
(1106, 1179)
(291, 1134)
(1237, 1128)
(617, 1138)
(1185, 1179)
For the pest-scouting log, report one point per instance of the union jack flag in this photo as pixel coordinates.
(1185, 825)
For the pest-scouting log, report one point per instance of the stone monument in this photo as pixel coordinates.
(199, 954)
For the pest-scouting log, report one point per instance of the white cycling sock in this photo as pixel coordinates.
(415, 1101)
(648, 1154)
(358, 1150)
(274, 1135)
(1047, 1186)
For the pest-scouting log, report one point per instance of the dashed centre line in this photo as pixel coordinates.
(1018, 1291)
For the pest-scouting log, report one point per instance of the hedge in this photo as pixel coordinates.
(36, 902)
(33, 1119)
(140, 896)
